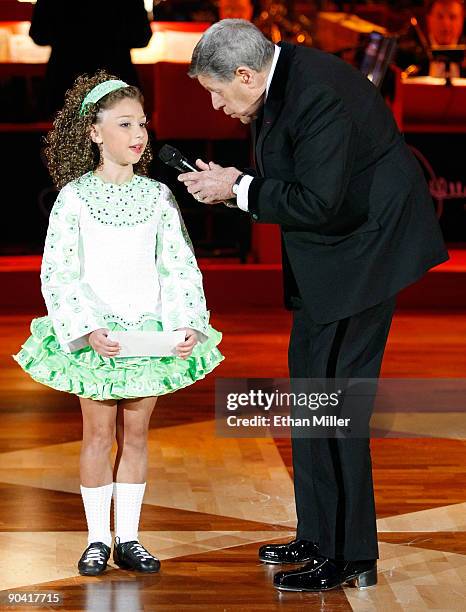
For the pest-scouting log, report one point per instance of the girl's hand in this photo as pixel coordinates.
(100, 343)
(184, 349)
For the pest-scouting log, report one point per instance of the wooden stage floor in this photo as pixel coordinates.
(210, 502)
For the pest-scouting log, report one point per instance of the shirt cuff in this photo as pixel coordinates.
(242, 194)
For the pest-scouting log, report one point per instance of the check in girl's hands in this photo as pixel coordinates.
(184, 349)
(100, 343)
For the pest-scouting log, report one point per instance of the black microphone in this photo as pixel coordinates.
(173, 158)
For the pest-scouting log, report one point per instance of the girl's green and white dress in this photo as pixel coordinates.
(117, 257)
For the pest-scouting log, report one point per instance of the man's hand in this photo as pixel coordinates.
(184, 349)
(213, 184)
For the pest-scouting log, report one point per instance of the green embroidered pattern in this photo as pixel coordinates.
(128, 204)
(73, 315)
(183, 300)
(72, 304)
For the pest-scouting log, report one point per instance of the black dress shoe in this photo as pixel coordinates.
(296, 551)
(323, 574)
(133, 556)
(94, 559)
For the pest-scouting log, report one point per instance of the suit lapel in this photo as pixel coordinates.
(255, 130)
(274, 102)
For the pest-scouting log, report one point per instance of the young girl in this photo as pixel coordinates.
(117, 257)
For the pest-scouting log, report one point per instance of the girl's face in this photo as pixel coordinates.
(121, 131)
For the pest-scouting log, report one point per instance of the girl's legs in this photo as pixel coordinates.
(99, 419)
(130, 468)
(131, 432)
(99, 428)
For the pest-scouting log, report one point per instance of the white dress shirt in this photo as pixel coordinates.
(243, 187)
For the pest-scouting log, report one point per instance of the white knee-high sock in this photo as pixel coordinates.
(97, 501)
(127, 501)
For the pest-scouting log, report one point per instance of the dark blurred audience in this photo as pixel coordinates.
(445, 25)
(186, 10)
(445, 22)
(86, 35)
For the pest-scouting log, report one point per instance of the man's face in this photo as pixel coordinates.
(445, 22)
(240, 98)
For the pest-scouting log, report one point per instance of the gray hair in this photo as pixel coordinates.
(228, 44)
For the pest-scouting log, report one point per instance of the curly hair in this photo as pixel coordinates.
(69, 150)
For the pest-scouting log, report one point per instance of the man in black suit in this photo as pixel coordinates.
(358, 225)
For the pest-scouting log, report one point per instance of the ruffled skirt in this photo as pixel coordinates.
(87, 374)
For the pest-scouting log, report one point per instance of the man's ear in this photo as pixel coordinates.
(245, 74)
(95, 134)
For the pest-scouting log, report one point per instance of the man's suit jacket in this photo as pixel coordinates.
(356, 216)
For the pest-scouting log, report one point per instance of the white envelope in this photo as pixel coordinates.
(147, 343)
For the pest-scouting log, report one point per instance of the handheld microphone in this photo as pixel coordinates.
(173, 158)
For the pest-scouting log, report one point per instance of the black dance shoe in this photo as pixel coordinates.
(323, 574)
(94, 559)
(133, 556)
(296, 551)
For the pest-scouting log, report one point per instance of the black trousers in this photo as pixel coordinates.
(333, 476)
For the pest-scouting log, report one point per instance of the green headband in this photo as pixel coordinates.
(99, 91)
